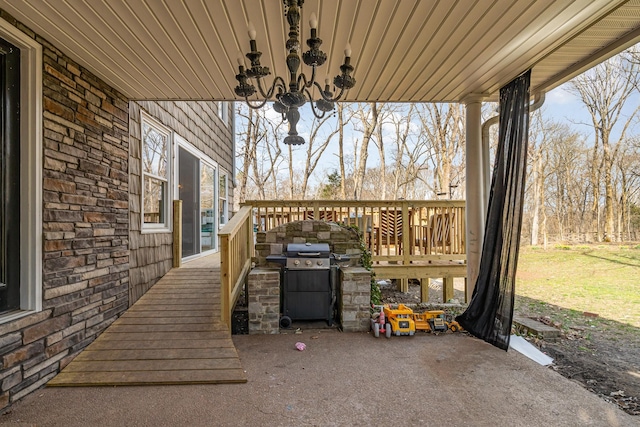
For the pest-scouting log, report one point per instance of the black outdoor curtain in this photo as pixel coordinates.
(490, 311)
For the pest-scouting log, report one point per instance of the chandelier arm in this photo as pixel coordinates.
(255, 107)
(277, 82)
(303, 78)
(326, 98)
(313, 108)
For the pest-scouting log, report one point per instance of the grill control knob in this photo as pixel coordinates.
(308, 263)
(296, 262)
(320, 262)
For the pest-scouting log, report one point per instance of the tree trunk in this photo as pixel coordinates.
(369, 123)
(248, 153)
(537, 189)
(609, 220)
(343, 175)
(383, 169)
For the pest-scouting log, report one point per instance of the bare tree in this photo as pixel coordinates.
(628, 187)
(249, 136)
(341, 125)
(260, 153)
(444, 126)
(410, 153)
(537, 157)
(605, 90)
(367, 120)
(316, 146)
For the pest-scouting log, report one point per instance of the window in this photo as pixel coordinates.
(21, 157)
(222, 195)
(223, 112)
(155, 175)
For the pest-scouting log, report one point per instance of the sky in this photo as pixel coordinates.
(562, 105)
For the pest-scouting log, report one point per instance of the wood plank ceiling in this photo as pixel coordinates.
(409, 50)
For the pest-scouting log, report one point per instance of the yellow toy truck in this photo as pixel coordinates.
(400, 320)
(435, 321)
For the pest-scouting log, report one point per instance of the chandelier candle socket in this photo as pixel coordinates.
(289, 97)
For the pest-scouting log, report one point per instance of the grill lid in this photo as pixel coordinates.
(306, 250)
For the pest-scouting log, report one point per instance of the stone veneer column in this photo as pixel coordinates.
(355, 299)
(85, 224)
(264, 301)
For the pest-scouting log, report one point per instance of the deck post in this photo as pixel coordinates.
(447, 288)
(406, 244)
(225, 281)
(474, 189)
(424, 290)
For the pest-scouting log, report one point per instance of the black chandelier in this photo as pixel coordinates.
(294, 95)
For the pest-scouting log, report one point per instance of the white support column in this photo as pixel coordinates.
(475, 189)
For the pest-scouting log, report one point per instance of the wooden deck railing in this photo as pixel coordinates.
(236, 250)
(397, 232)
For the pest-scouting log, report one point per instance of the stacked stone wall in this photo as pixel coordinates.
(341, 240)
(355, 299)
(264, 301)
(85, 233)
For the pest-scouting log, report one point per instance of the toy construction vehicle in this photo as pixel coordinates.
(400, 320)
(403, 321)
(435, 321)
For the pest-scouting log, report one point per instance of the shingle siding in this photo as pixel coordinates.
(199, 124)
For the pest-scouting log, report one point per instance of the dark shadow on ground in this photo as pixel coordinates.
(589, 254)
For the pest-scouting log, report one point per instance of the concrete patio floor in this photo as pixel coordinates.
(343, 379)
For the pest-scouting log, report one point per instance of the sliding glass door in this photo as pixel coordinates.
(207, 209)
(197, 190)
(189, 193)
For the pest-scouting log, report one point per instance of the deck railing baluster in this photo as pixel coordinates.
(429, 230)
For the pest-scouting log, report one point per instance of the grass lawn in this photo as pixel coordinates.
(571, 280)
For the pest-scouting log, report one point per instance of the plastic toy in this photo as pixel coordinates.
(378, 325)
(400, 320)
(403, 321)
(435, 321)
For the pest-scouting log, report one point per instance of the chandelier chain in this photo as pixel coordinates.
(290, 97)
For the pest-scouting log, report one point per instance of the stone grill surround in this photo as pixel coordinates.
(264, 281)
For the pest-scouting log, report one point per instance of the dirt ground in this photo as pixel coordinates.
(601, 355)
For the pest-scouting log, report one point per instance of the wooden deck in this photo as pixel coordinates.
(172, 335)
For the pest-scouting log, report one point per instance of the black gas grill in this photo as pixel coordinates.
(308, 283)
